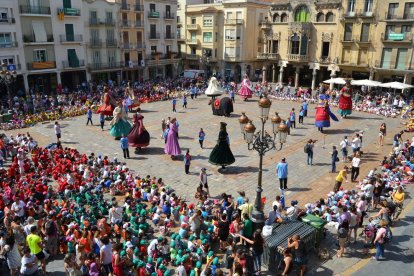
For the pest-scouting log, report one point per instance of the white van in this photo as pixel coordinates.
(192, 74)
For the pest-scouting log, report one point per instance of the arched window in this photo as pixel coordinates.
(294, 44)
(276, 17)
(329, 17)
(320, 17)
(283, 17)
(304, 45)
(302, 14)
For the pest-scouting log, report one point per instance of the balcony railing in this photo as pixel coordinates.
(154, 35)
(111, 43)
(180, 37)
(139, 8)
(109, 22)
(169, 36)
(71, 38)
(191, 41)
(364, 13)
(169, 15)
(350, 14)
(233, 21)
(7, 20)
(139, 46)
(73, 63)
(128, 46)
(153, 14)
(139, 24)
(192, 26)
(262, 55)
(125, 24)
(43, 10)
(397, 37)
(41, 65)
(93, 21)
(192, 56)
(125, 7)
(103, 66)
(95, 43)
(69, 11)
(265, 25)
(32, 39)
(11, 44)
(325, 60)
(295, 57)
(394, 16)
(299, 26)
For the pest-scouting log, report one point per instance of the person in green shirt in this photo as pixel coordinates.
(247, 226)
(34, 241)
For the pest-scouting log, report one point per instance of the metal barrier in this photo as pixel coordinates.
(272, 255)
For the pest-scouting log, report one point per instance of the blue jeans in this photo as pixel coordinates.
(257, 259)
(333, 166)
(411, 151)
(310, 158)
(380, 250)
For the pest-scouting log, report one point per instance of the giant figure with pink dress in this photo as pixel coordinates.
(172, 147)
(245, 90)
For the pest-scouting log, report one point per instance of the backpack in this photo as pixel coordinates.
(306, 148)
(388, 235)
(343, 229)
(342, 232)
(50, 228)
(232, 229)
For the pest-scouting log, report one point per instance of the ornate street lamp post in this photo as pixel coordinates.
(262, 142)
(8, 77)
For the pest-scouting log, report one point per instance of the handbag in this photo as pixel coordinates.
(337, 159)
(267, 230)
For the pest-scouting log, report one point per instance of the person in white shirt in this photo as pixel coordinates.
(115, 213)
(58, 132)
(356, 144)
(18, 207)
(368, 190)
(355, 167)
(344, 148)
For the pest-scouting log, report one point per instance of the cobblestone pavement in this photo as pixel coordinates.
(242, 175)
(305, 182)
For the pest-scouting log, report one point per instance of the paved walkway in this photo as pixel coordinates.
(306, 183)
(242, 175)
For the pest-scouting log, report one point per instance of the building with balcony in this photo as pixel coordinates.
(160, 41)
(11, 42)
(219, 34)
(69, 41)
(39, 40)
(131, 26)
(101, 36)
(299, 41)
(393, 59)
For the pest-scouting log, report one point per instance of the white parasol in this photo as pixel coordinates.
(335, 81)
(366, 82)
(396, 85)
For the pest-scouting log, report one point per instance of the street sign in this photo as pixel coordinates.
(11, 67)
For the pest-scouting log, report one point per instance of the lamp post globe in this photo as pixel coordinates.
(283, 131)
(275, 119)
(249, 129)
(243, 120)
(264, 105)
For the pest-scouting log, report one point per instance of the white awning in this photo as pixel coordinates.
(39, 31)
